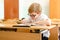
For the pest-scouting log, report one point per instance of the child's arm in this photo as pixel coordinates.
(45, 22)
(23, 21)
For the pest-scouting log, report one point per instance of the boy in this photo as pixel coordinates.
(36, 17)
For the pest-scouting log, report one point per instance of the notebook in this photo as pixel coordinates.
(21, 25)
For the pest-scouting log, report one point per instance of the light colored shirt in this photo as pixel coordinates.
(42, 17)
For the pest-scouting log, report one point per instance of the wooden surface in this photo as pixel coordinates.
(54, 8)
(19, 36)
(43, 27)
(11, 9)
(53, 32)
(56, 23)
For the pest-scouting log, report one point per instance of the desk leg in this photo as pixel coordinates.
(53, 34)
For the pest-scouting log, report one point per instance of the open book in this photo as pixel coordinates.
(23, 25)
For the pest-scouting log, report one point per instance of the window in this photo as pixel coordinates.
(1, 9)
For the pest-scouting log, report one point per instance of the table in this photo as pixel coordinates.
(17, 34)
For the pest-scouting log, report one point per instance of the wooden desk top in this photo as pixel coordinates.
(32, 27)
(55, 23)
(43, 27)
(55, 20)
(53, 31)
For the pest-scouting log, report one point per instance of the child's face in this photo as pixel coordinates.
(34, 15)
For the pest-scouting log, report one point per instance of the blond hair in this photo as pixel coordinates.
(34, 7)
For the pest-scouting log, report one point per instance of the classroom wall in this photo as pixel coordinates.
(54, 9)
(11, 9)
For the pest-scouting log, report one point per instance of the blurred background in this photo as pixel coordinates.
(1, 9)
(24, 5)
(11, 9)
